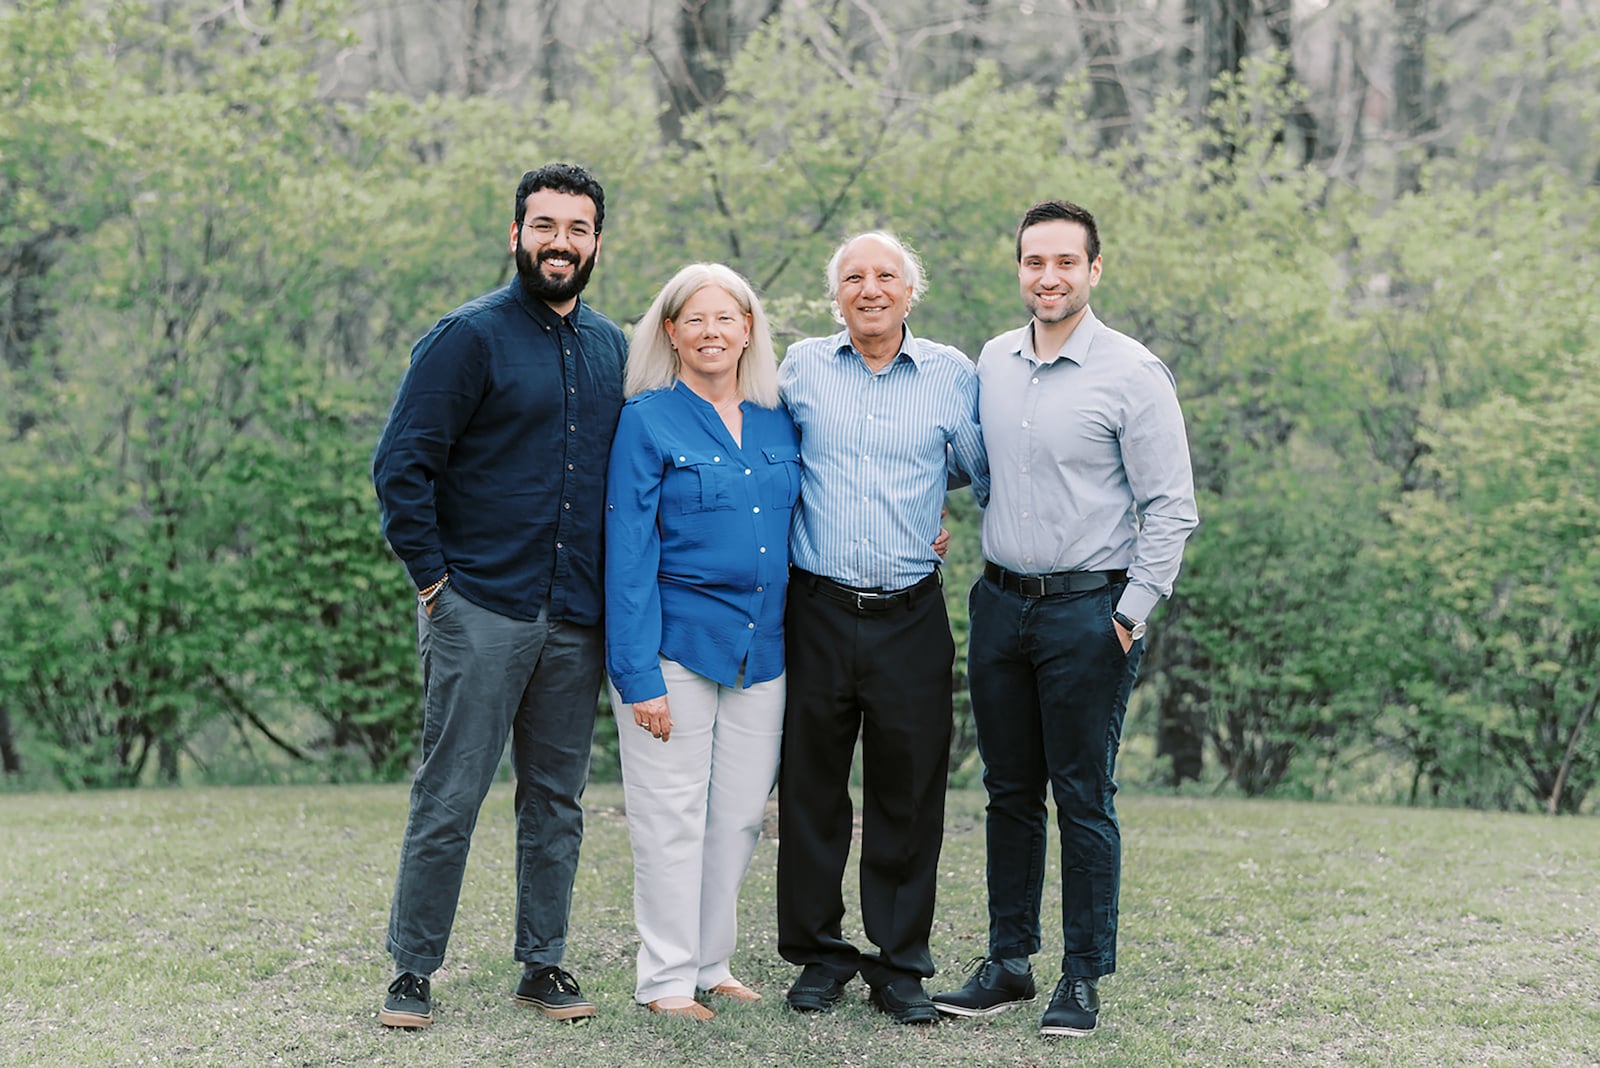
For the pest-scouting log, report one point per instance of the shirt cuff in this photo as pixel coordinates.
(426, 569)
(640, 685)
(1137, 602)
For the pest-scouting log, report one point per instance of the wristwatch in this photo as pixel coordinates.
(1134, 627)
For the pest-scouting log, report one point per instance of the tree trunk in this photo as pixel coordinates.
(1278, 19)
(10, 761)
(704, 29)
(1181, 705)
(484, 51)
(1108, 100)
(1415, 117)
(1217, 34)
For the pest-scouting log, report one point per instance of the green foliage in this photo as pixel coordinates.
(1504, 606)
(215, 268)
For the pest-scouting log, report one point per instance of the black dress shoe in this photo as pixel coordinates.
(1074, 1008)
(904, 1001)
(989, 990)
(815, 990)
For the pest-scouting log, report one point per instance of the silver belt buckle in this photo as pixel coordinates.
(1026, 579)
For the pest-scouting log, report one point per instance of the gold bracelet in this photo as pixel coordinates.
(429, 595)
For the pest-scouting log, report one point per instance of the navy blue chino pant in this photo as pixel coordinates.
(1050, 685)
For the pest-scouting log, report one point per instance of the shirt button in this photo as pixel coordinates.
(558, 545)
(747, 470)
(1024, 422)
(760, 588)
(574, 426)
(757, 511)
(763, 548)
(572, 389)
(1024, 468)
(569, 467)
(566, 504)
(682, 459)
(1036, 381)
(752, 626)
(716, 459)
(567, 351)
(1024, 515)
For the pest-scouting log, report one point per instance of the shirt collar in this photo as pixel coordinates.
(1077, 347)
(908, 347)
(541, 311)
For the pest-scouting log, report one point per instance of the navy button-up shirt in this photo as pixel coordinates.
(492, 467)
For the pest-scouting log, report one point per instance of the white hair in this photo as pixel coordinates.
(913, 267)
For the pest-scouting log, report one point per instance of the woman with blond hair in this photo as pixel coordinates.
(704, 473)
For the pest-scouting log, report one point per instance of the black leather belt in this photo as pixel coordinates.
(865, 600)
(1051, 583)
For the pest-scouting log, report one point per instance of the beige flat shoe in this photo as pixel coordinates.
(737, 991)
(684, 1007)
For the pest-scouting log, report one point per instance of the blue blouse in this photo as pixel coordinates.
(697, 533)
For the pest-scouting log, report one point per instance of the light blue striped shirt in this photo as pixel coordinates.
(876, 451)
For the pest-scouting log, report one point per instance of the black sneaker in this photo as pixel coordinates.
(408, 1003)
(553, 992)
(990, 989)
(1074, 1008)
(815, 990)
(904, 1001)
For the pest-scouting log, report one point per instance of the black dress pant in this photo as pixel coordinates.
(883, 673)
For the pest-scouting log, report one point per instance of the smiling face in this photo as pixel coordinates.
(710, 333)
(555, 246)
(1055, 270)
(874, 294)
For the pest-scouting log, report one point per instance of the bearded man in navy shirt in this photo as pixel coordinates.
(491, 481)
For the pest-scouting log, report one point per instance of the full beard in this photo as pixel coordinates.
(550, 290)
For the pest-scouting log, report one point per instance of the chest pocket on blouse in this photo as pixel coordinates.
(705, 482)
(783, 475)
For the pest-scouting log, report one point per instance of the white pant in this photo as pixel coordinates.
(695, 805)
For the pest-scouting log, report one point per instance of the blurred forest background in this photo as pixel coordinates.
(1363, 233)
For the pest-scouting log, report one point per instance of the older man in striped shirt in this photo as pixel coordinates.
(887, 422)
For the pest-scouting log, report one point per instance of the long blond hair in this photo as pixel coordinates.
(652, 361)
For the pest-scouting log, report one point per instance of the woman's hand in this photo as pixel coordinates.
(654, 717)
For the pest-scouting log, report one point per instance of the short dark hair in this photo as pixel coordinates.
(563, 178)
(1064, 211)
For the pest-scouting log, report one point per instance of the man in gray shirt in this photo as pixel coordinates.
(1091, 502)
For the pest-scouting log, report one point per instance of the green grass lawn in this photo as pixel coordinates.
(244, 926)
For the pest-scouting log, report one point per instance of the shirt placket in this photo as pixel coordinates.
(1028, 473)
(869, 467)
(566, 340)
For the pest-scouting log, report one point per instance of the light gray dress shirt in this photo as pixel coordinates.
(1088, 460)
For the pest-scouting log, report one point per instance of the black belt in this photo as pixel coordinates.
(861, 600)
(1052, 583)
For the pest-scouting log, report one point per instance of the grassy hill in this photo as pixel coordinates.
(240, 926)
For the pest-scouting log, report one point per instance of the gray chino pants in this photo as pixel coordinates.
(485, 677)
